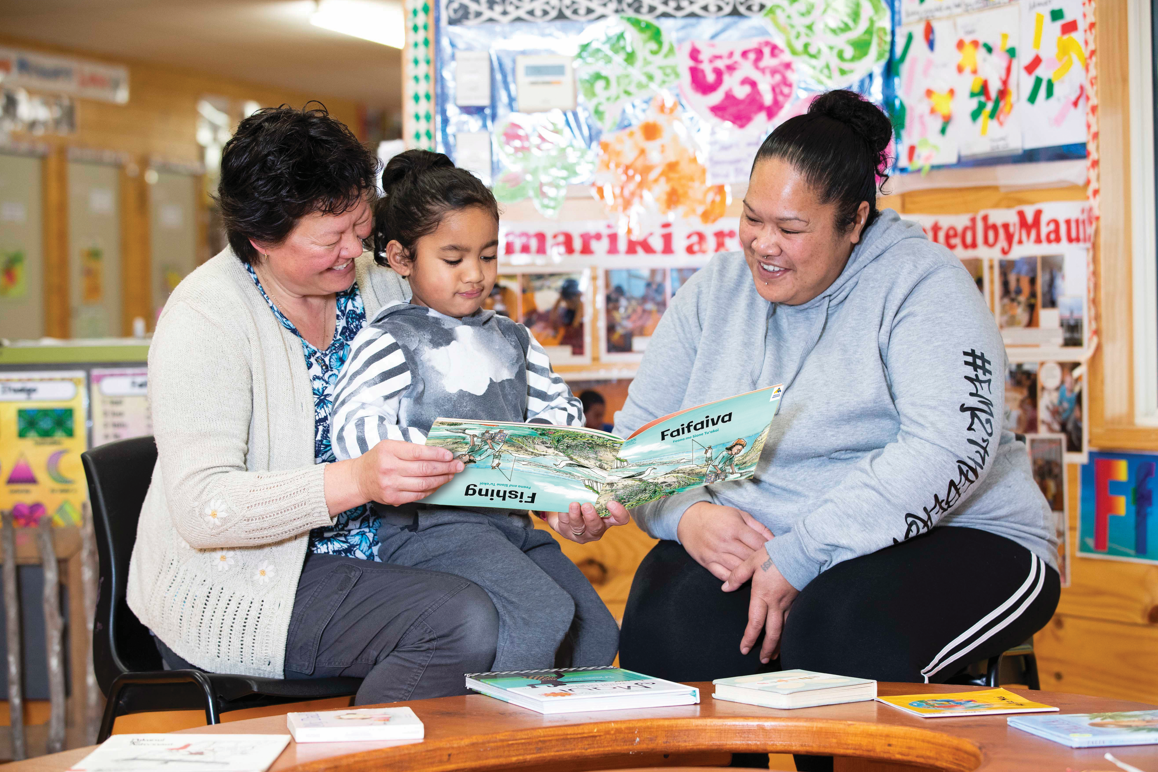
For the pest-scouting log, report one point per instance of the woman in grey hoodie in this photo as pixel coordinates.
(892, 513)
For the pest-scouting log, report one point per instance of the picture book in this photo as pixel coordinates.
(980, 703)
(1090, 730)
(538, 466)
(185, 752)
(794, 689)
(580, 690)
(355, 724)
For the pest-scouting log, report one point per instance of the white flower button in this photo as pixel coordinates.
(265, 572)
(224, 560)
(215, 513)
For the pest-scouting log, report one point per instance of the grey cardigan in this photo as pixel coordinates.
(224, 528)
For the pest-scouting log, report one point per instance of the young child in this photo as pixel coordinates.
(442, 355)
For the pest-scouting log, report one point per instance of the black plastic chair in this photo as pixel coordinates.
(127, 662)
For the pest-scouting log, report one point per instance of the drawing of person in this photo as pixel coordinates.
(727, 460)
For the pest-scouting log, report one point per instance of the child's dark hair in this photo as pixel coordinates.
(590, 398)
(840, 147)
(419, 188)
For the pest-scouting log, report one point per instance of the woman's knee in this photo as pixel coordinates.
(468, 625)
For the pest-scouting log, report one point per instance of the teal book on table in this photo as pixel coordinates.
(580, 690)
(1092, 730)
(538, 466)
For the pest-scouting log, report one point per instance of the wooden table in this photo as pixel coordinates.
(476, 732)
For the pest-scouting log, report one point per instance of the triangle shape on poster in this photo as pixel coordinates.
(22, 473)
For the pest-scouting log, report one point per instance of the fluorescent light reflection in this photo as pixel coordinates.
(373, 20)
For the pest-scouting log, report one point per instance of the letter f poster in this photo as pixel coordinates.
(1118, 516)
(543, 467)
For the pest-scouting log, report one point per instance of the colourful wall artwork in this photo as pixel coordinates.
(538, 159)
(13, 274)
(92, 275)
(42, 417)
(742, 83)
(625, 59)
(987, 59)
(927, 106)
(653, 169)
(1052, 72)
(834, 43)
(1118, 518)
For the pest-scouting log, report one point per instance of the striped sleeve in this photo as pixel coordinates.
(367, 395)
(549, 400)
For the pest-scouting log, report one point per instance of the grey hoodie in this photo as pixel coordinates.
(892, 420)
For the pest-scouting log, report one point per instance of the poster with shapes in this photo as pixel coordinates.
(1052, 72)
(622, 59)
(42, 421)
(1116, 518)
(742, 84)
(928, 95)
(1021, 397)
(1047, 460)
(834, 43)
(504, 297)
(653, 169)
(556, 308)
(119, 404)
(987, 58)
(634, 301)
(978, 269)
(1062, 405)
(538, 159)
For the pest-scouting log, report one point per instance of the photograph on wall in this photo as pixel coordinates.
(679, 277)
(504, 297)
(1047, 459)
(976, 268)
(1021, 397)
(634, 301)
(1061, 405)
(1017, 307)
(556, 309)
(42, 421)
(1117, 506)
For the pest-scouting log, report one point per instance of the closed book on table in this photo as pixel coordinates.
(355, 724)
(986, 702)
(579, 690)
(1092, 730)
(184, 753)
(794, 689)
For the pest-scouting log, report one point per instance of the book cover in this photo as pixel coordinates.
(538, 466)
(355, 724)
(185, 752)
(1090, 730)
(984, 702)
(791, 681)
(581, 689)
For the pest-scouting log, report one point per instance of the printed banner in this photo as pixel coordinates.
(120, 404)
(64, 75)
(1117, 507)
(590, 241)
(42, 421)
(1055, 226)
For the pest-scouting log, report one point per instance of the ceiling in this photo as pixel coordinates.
(269, 42)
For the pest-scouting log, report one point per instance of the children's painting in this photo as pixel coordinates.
(1052, 72)
(1021, 397)
(555, 308)
(1117, 518)
(634, 302)
(928, 95)
(623, 59)
(538, 159)
(1061, 405)
(834, 43)
(987, 59)
(742, 84)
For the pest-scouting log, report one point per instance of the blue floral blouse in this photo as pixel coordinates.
(354, 533)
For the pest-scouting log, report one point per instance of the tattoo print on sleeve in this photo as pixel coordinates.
(978, 406)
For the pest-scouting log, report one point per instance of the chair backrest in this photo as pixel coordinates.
(118, 479)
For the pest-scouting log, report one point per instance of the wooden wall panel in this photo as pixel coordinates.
(1093, 656)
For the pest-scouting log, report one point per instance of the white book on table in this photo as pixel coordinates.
(355, 724)
(789, 689)
(184, 753)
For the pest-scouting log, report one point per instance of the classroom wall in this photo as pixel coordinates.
(156, 127)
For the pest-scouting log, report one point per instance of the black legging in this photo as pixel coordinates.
(929, 606)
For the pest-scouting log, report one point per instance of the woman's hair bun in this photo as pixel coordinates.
(863, 117)
(410, 165)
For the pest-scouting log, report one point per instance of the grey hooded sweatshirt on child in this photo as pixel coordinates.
(892, 421)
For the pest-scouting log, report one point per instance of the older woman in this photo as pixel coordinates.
(255, 550)
(891, 513)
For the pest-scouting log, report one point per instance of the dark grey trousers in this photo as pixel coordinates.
(549, 614)
(409, 633)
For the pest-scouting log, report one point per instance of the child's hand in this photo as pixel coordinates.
(396, 473)
(582, 524)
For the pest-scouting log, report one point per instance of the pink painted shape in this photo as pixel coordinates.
(739, 83)
(28, 514)
(1060, 116)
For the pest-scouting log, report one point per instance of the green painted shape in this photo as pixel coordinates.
(1033, 92)
(833, 43)
(905, 51)
(1057, 14)
(1049, 89)
(631, 60)
(977, 111)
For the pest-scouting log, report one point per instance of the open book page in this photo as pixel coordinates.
(536, 466)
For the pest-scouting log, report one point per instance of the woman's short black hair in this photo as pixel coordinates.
(840, 147)
(418, 188)
(284, 163)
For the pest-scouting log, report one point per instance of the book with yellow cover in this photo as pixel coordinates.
(986, 702)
